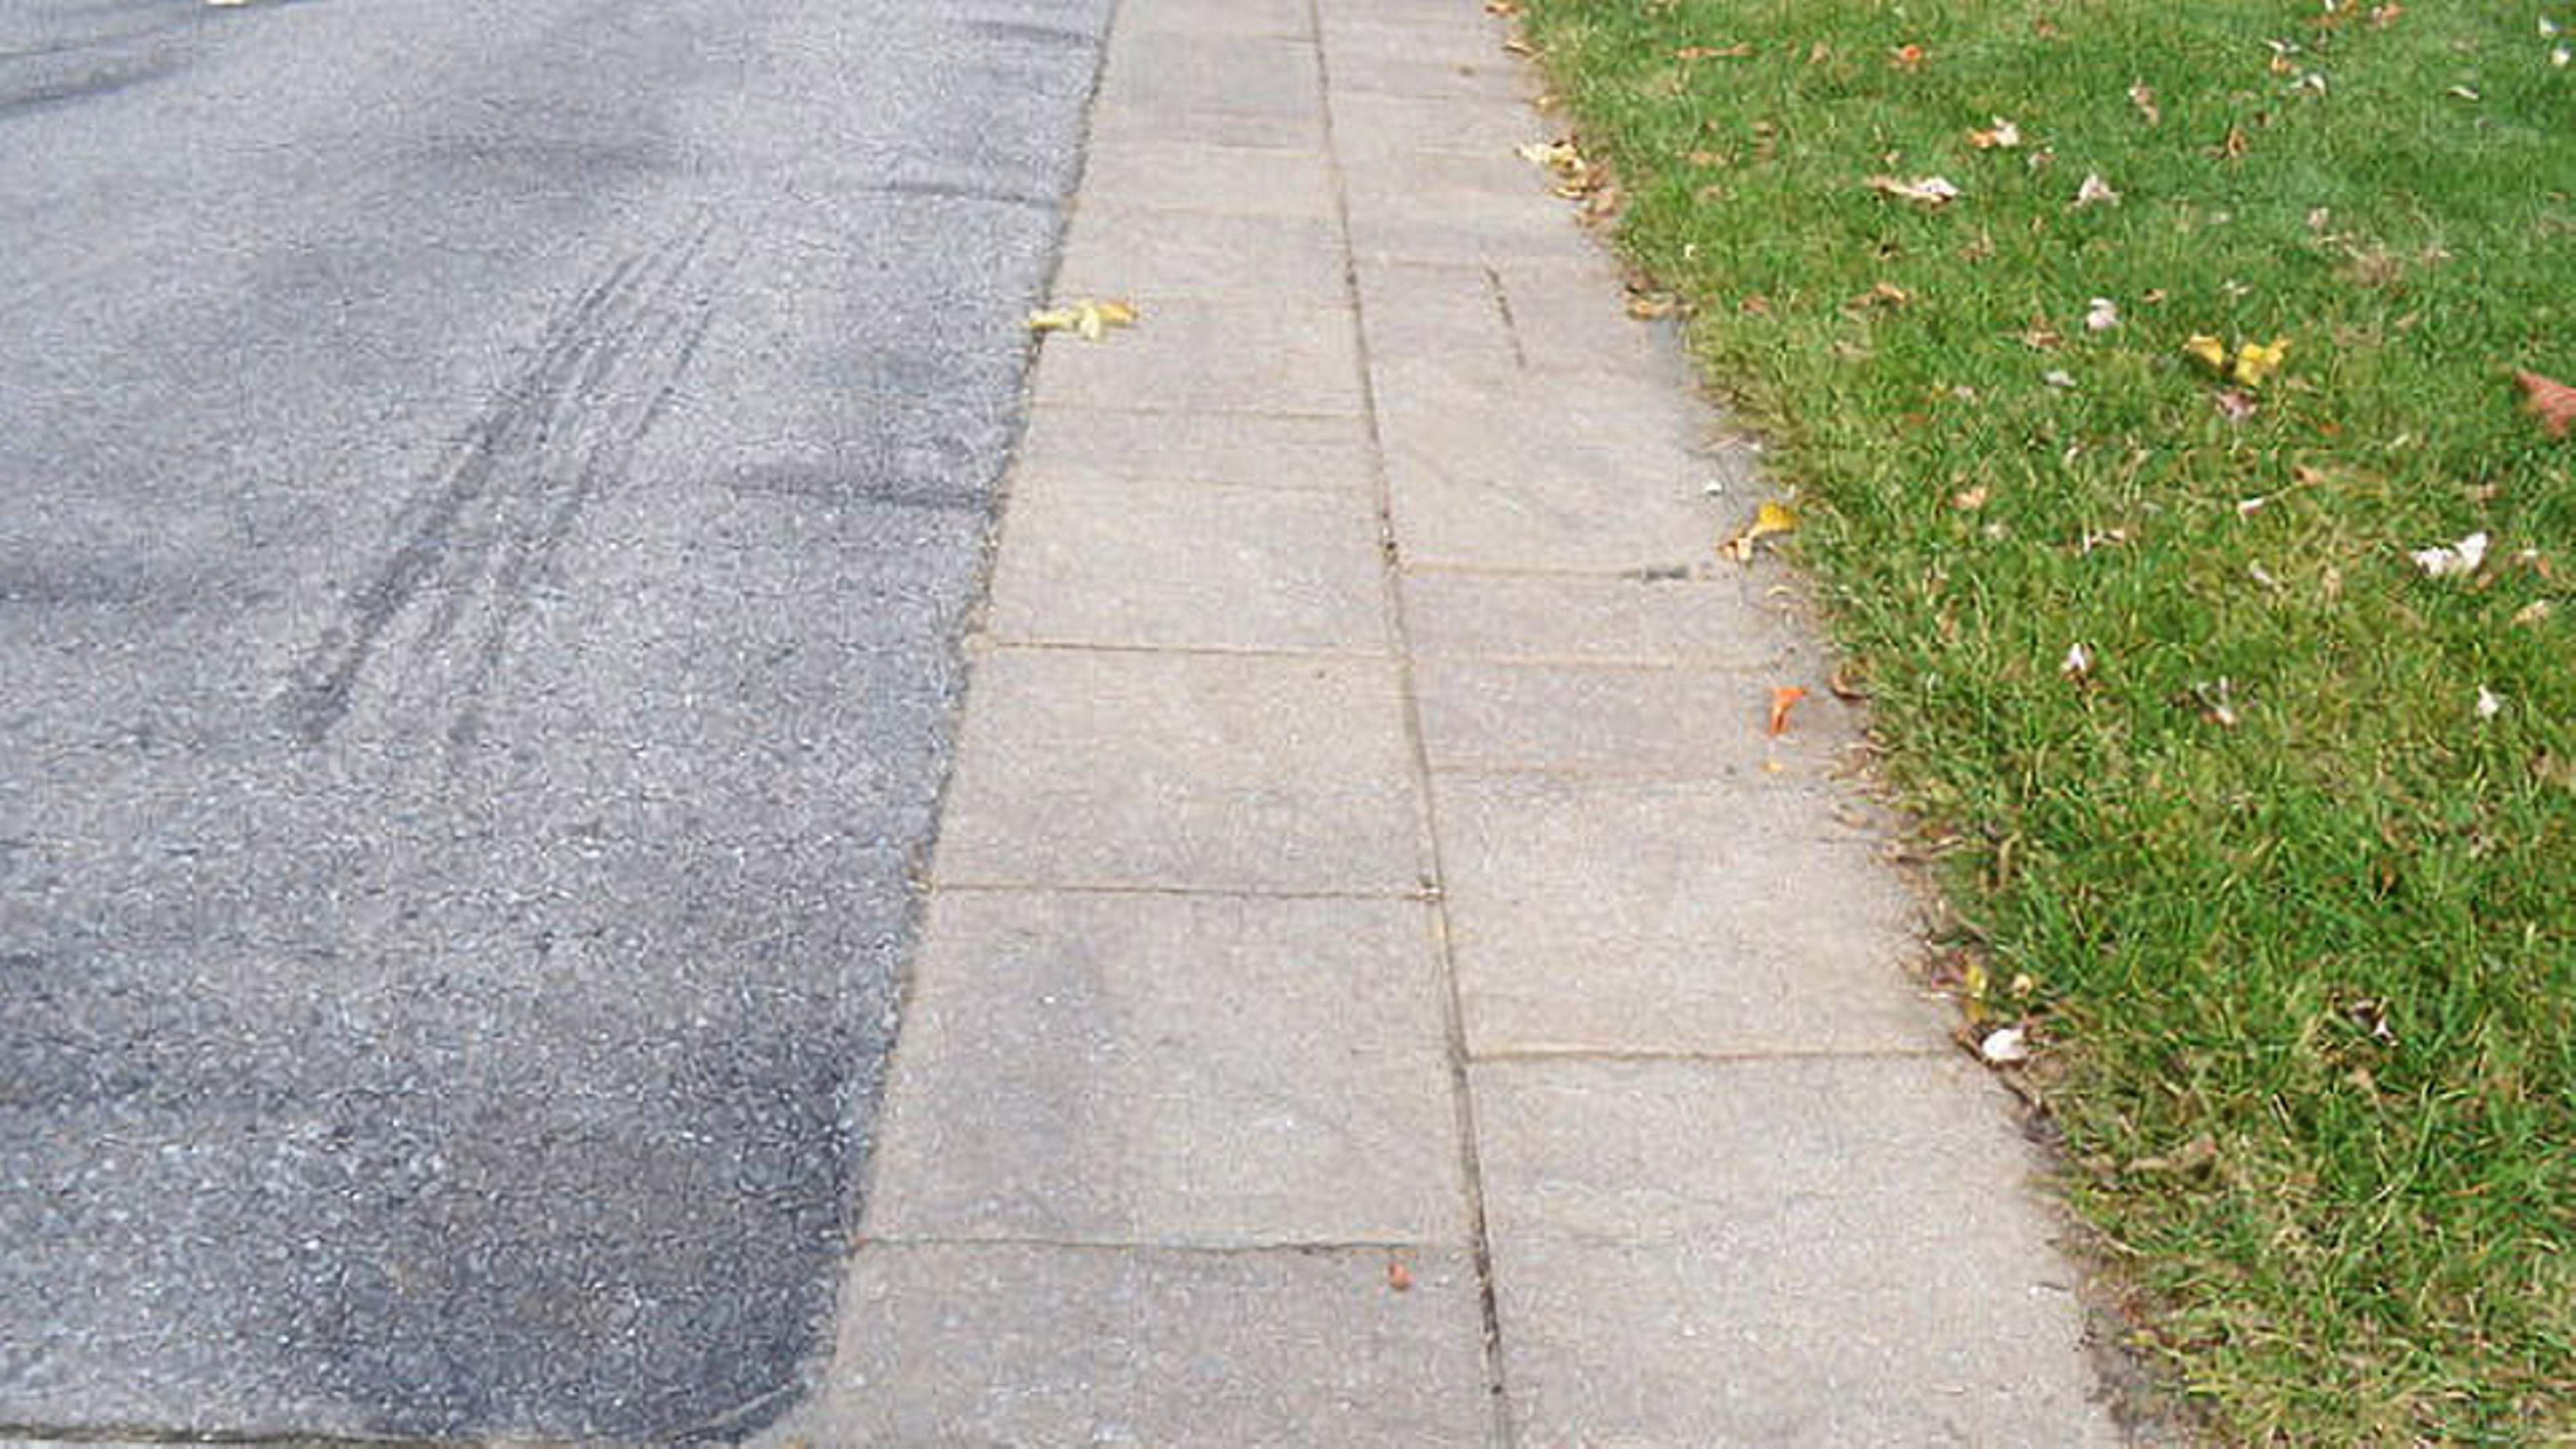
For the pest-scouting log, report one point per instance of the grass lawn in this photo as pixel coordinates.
(2265, 827)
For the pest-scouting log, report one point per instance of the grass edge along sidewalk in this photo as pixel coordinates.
(2146, 380)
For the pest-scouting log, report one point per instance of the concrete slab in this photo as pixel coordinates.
(1268, 18)
(1503, 320)
(1004, 1344)
(1205, 771)
(1620, 722)
(1242, 355)
(1723, 618)
(1627, 917)
(1194, 175)
(1317, 453)
(1157, 256)
(1140, 1068)
(1186, 566)
(1164, 82)
(1828, 1252)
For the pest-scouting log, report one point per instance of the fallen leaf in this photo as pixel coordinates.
(1738, 51)
(2078, 663)
(1772, 517)
(2383, 16)
(2489, 703)
(2039, 336)
(2006, 1046)
(2217, 703)
(2560, 56)
(2145, 100)
(2256, 362)
(2234, 144)
(1924, 190)
(2004, 136)
(1086, 319)
(2466, 93)
(2095, 191)
(1969, 500)
(2235, 404)
(2451, 560)
(1886, 294)
(2102, 315)
(2207, 348)
(1783, 699)
(1398, 1277)
(2554, 403)
(1649, 306)
(2058, 377)
(1561, 157)
(2532, 613)
(1905, 57)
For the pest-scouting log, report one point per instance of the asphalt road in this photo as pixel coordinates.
(489, 492)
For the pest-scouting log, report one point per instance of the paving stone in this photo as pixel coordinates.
(1001, 1344)
(1504, 321)
(1155, 256)
(1209, 771)
(1722, 617)
(1489, 75)
(1314, 453)
(1273, 18)
(1819, 1251)
(1672, 916)
(1160, 81)
(1625, 722)
(1366, 124)
(1233, 355)
(1182, 565)
(1468, 227)
(1419, 34)
(1263, 180)
(1142, 1068)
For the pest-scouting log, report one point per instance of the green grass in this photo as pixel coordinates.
(2307, 981)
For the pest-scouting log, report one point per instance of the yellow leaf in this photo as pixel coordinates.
(1088, 320)
(2208, 349)
(2255, 362)
(1773, 517)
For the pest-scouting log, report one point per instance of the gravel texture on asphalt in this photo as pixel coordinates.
(489, 497)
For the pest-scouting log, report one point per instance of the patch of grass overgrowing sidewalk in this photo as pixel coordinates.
(2263, 824)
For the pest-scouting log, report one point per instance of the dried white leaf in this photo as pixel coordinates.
(2444, 561)
(2078, 662)
(2058, 377)
(2102, 315)
(2005, 1047)
(2094, 190)
(2489, 705)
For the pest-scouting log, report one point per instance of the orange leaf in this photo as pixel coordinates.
(1783, 700)
(2554, 403)
(1398, 1277)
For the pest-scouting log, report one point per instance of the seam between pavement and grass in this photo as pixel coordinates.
(1453, 1005)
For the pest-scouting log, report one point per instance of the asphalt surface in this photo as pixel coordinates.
(489, 492)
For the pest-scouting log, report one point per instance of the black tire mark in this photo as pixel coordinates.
(473, 547)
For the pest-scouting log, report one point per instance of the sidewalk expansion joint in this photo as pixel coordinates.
(1423, 893)
(874, 1242)
(991, 642)
(1549, 1056)
(1453, 998)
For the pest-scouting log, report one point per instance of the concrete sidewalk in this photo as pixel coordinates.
(1381, 983)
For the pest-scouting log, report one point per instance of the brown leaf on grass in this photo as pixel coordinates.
(2004, 135)
(1880, 294)
(1784, 699)
(1741, 50)
(2144, 98)
(1905, 57)
(1922, 190)
(2233, 145)
(2554, 403)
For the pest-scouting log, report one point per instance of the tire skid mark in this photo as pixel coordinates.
(471, 550)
